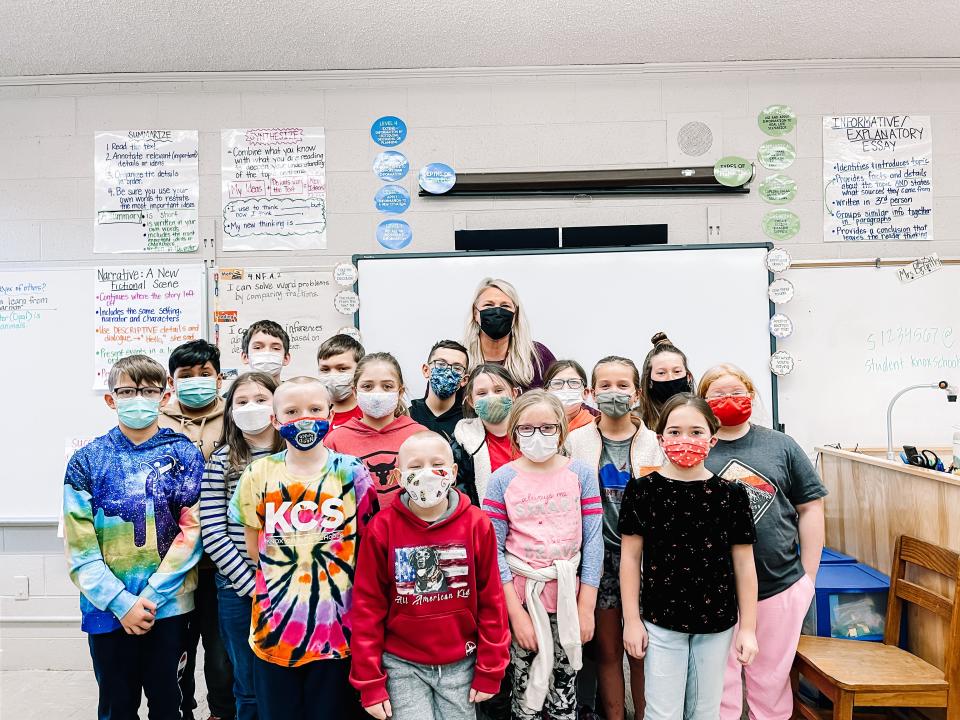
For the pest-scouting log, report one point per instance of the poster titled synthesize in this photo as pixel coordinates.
(877, 177)
(274, 189)
(145, 309)
(300, 300)
(146, 189)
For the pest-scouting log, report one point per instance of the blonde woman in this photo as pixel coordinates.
(498, 333)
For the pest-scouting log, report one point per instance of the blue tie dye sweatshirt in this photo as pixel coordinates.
(131, 525)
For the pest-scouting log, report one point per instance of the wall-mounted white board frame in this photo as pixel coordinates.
(49, 395)
(585, 304)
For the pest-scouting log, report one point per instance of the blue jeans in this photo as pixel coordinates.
(235, 631)
(684, 673)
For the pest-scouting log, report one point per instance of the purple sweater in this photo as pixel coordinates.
(542, 359)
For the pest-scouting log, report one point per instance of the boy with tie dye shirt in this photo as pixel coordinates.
(304, 509)
(132, 540)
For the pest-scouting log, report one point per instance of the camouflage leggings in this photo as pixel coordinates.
(561, 702)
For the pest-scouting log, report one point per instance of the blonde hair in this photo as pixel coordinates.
(527, 401)
(721, 370)
(521, 354)
(386, 359)
(303, 380)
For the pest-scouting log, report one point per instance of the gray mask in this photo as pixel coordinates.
(613, 404)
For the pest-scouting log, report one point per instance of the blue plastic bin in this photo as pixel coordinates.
(829, 556)
(850, 602)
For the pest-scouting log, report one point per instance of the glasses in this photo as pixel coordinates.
(545, 430)
(443, 364)
(128, 393)
(560, 384)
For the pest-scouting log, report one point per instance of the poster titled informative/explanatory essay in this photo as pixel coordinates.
(146, 190)
(274, 189)
(877, 177)
(300, 300)
(146, 310)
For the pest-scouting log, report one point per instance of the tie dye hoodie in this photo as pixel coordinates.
(131, 525)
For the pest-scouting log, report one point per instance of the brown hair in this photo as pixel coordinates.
(649, 409)
(267, 327)
(681, 400)
(527, 401)
(497, 371)
(616, 359)
(722, 370)
(238, 450)
(140, 369)
(558, 366)
(338, 344)
(389, 359)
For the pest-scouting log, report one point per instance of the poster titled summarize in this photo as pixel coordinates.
(877, 177)
(146, 189)
(145, 309)
(300, 300)
(274, 189)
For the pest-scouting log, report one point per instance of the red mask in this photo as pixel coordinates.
(686, 453)
(732, 410)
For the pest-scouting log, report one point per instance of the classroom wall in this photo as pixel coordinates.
(475, 121)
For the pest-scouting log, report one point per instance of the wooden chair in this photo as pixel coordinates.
(854, 673)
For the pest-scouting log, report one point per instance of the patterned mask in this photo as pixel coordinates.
(427, 487)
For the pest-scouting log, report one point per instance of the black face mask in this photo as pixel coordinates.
(663, 390)
(496, 322)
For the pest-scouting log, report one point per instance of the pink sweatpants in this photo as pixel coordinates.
(769, 694)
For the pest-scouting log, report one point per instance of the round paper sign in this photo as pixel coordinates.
(781, 224)
(351, 331)
(781, 326)
(780, 291)
(388, 131)
(778, 260)
(392, 199)
(778, 189)
(345, 274)
(391, 166)
(782, 363)
(437, 178)
(394, 234)
(733, 171)
(777, 120)
(346, 302)
(776, 154)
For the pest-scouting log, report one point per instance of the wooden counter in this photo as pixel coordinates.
(871, 502)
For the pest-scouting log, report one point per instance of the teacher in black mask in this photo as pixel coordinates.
(498, 333)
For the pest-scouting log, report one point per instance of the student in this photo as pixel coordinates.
(430, 634)
(337, 360)
(482, 435)
(665, 373)
(695, 535)
(376, 436)
(546, 512)
(498, 333)
(446, 373)
(620, 447)
(787, 508)
(248, 435)
(265, 347)
(198, 413)
(132, 542)
(304, 510)
(567, 380)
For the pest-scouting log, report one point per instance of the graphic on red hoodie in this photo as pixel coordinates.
(428, 593)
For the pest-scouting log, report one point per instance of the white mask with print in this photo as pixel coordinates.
(427, 487)
(378, 404)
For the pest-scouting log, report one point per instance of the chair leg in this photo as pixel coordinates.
(795, 685)
(843, 706)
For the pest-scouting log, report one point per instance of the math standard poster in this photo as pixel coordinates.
(877, 178)
(145, 310)
(300, 300)
(146, 188)
(274, 189)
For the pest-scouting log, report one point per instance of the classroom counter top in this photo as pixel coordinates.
(878, 458)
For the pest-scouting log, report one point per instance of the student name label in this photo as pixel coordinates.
(146, 188)
(877, 177)
(920, 267)
(274, 193)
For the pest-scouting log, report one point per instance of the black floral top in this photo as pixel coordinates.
(688, 528)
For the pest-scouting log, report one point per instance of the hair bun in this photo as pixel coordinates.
(660, 338)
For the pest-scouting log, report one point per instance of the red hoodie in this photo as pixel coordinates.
(376, 448)
(429, 594)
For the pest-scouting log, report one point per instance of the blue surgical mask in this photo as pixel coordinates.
(138, 412)
(444, 381)
(196, 392)
(305, 433)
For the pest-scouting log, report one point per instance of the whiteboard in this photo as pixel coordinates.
(581, 304)
(49, 401)
(860, 336)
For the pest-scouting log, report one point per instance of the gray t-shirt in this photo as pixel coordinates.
(778, 476)
(614, 476)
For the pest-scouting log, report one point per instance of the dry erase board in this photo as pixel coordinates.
(711, 301)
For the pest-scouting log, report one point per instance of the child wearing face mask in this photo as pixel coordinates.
(248, 435)
(265, 347)
(337, 361)
(430, 635)
(304, 511)
(132, 542)
(375, 437)
(445, 371)
(545, 509)
(620, 447)
(694, 534)
(567, 381)
(482, 444)
(665, 373)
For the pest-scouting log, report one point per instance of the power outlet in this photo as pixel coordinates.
(21, 587)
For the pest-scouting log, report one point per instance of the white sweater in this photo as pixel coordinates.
(586, 445)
